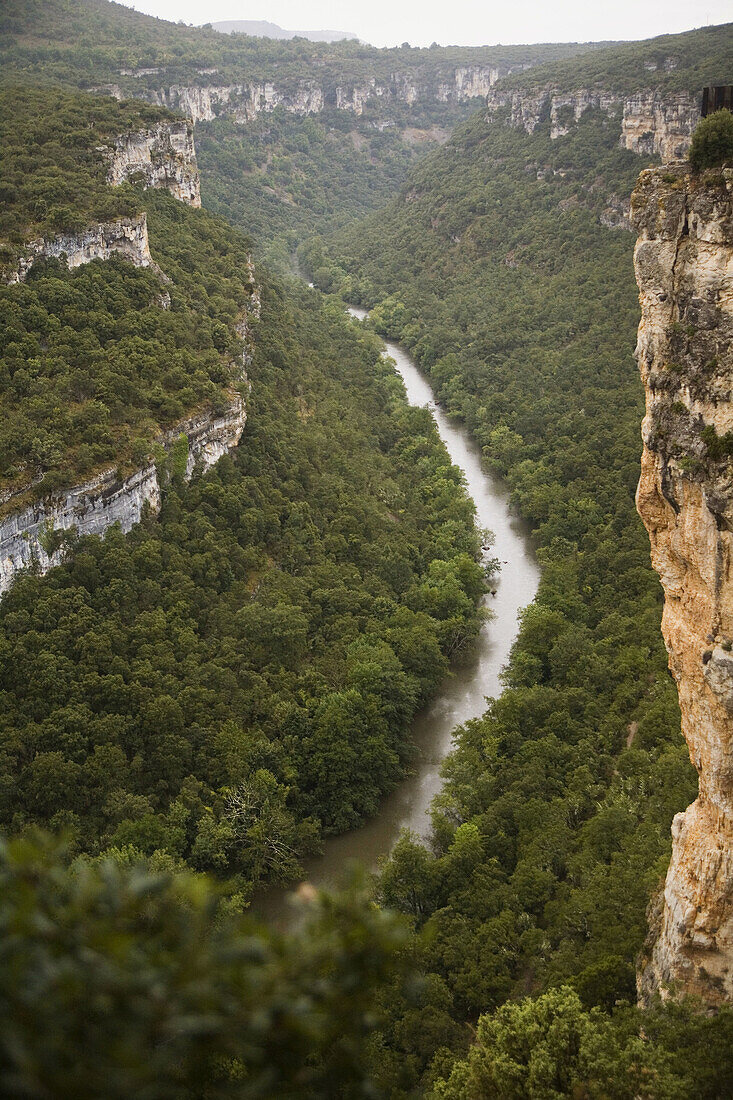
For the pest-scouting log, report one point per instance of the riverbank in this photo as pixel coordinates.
(463, 694)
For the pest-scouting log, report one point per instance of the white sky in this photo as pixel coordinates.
(460, 22)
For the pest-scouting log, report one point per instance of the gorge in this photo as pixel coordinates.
(242, 585)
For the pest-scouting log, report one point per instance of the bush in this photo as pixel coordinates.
(712, 142)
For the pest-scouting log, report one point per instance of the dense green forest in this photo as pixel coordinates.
(669, 63)
(552, 831)
(237, 675)
(282, 178)
(233, 680)
(95, 362)
(89, 41)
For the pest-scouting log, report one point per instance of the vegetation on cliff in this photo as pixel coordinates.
(668, 63)
(552, 830)
(712, 142)
(84, 42)
(97, 361)
(238, 674)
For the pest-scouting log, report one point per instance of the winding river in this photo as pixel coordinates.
(463, 694)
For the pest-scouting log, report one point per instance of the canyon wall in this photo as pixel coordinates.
(684, 268)
(652, 122)
(163, 156)
(32, 531)
(33, 536)
(125, 237)
(243, 102)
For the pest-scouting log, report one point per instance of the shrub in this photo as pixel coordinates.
(712, 142)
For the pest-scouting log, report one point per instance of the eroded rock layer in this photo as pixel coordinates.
(243, 102)
(684, 268)
(652, 123)
(163, 156)
(125, 237)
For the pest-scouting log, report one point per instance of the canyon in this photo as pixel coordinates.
(684, 269)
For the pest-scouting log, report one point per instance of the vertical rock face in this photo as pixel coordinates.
(126, 237)
(33, 535)
(243, 102)
(163, 156)
(655, 123)
(684, 268)
(652, 123)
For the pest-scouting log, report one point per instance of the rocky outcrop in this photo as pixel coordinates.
(35, 535)
(244, 101)
(163, 156)
(126, 237)
(652, 123)
(655, 123)
(684, 268)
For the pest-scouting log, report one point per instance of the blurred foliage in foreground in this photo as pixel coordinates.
(118, 980)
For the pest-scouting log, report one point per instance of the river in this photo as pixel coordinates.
(463, 694)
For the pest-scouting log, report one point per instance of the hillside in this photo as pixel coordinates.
(235, 564)
(503, 269)
(88, 42)
(263, 29)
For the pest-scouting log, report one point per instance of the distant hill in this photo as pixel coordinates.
(260, 28)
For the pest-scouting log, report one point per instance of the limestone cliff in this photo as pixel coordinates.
(33, 535)
(163, 156)
(244, 101)
(684, 268)
(126, 237)
(32, 530)
(652, 123)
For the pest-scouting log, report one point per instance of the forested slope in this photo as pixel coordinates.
(91, 41)
(552, 832)
(96, 363)
(352, 120)
(237, 675)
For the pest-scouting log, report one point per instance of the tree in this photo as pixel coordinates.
(116, 981)
(712, 141)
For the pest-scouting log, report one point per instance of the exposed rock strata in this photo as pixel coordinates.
(163, 156)
(244, 101)
(684, 268)
(126, 237)
(31, 536)
(652, 123)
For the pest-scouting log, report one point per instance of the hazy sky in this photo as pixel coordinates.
(462, 22)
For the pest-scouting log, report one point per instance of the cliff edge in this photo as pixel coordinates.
(684, 269)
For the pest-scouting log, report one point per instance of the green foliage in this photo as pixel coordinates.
(237, 675)
(93, 365)
(283, 178)
(54, 175)
(551, 1048)
(118, 980)
(712, 141)
(667, 63)
(85, 42)
(552, 829)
